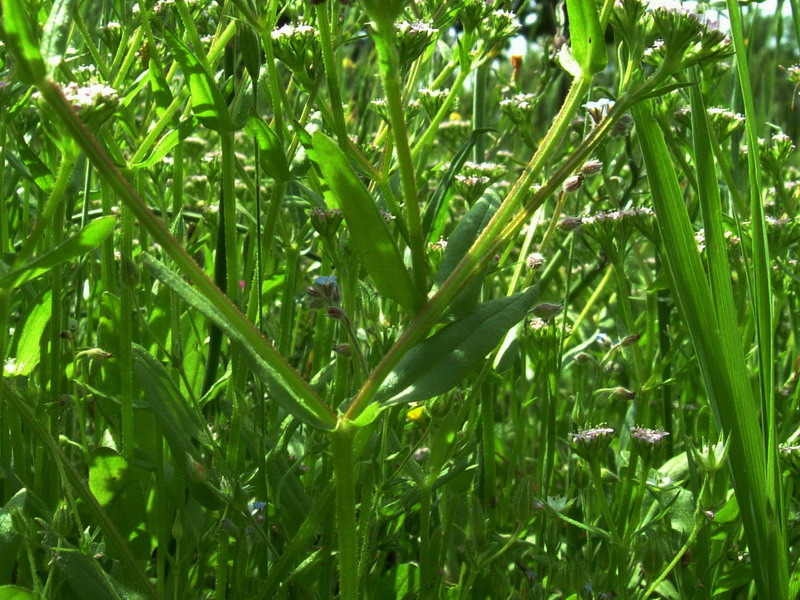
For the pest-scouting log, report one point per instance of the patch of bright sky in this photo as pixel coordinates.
(518, 44)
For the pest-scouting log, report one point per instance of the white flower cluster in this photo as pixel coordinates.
(89, 95)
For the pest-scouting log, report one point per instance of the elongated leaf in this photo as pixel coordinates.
(301, 407)
(251, 50)
(458, 243)
(586, 36)
(724, 371)
(29, 346)
(20, 38)
(89, 238)
(159, 87)
(56, 32)
(272, 157)
(35, 168)
(439, 363)
(208, 104)
(167, 143)
(371, 238)
(181, 425)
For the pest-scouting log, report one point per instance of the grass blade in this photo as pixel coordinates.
(723, 370)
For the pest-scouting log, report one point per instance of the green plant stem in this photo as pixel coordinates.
(127, 286)
(479, 120)
(228, 215)
(423, 143)
(426, 561)
(619, 550)
(390, 76)
(54, 199)
(331, 73)
(342, 447)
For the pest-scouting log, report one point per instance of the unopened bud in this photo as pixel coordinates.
(95, 354)
(590, 167)
(546, 310)
(343, 349)
(570, 223)
(573, 183)
(630, 340)
(62, 520)
(197, 472)
(623, 393)
(336, 312)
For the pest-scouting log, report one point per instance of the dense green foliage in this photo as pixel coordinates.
(398, 299)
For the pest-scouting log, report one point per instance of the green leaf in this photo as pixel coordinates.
(12, 592)
(251, 50)
(306, 406)
(21, 40)
(371, 237)
(89, 238)
(29, 347)
(56, 32)
(87, 579)
(439, 363)
(10, 539)
(272, 157)
(159, 87)
(208, 104)
(168, 141)
(458, 243)
(719, 356)
(119, 492)
(35, 169)
(586, 36)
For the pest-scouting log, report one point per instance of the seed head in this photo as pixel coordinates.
(572, 184)
(590, 444)
(647, 442)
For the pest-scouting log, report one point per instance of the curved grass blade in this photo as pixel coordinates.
(439, 363)
(208, 105)
(282, 390)
(372, 239)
